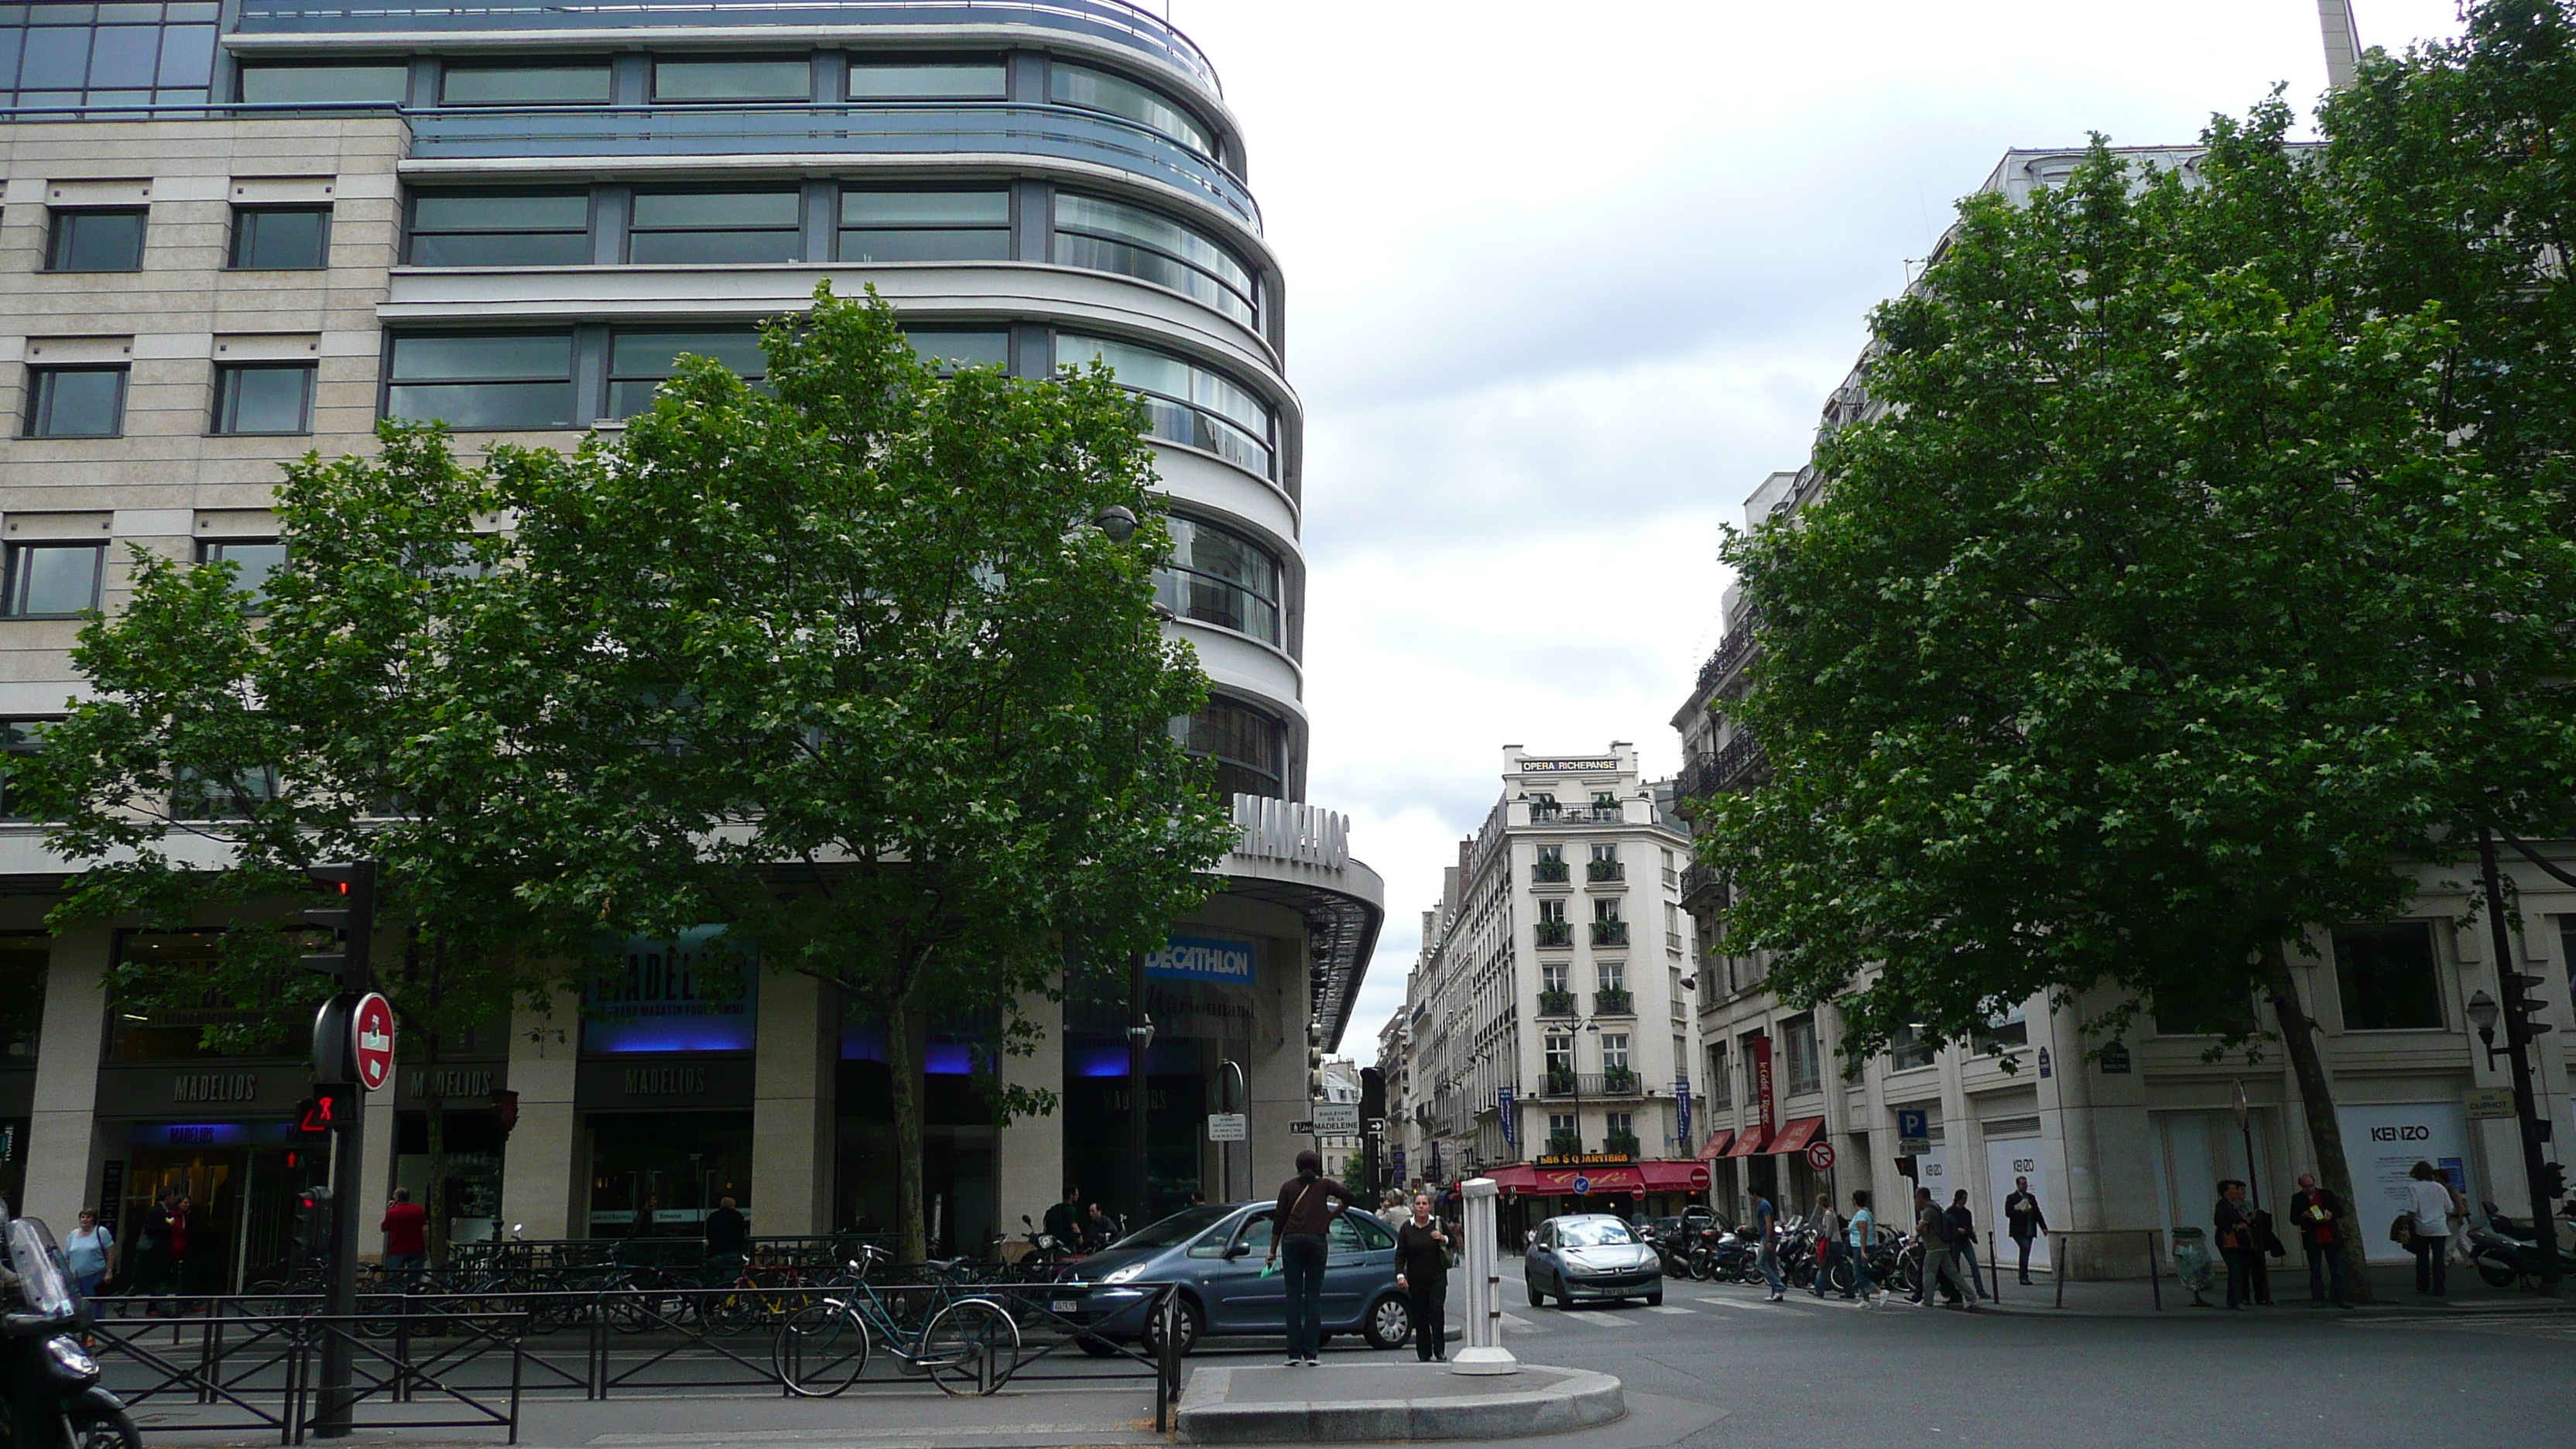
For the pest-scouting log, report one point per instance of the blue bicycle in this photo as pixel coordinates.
(966, 1345)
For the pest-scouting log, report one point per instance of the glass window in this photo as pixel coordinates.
(1606, 909)
(1185, 403)
(1614, 1051)
(928, 80)
(280, 238)
(1560, 1053)
(2388, 977)
(1217, 576)
(1720, 1085)
(525, 85)
(713, 227)
(1249, 746)
(75, 402)
(733, 80)
(325, 85)
(639, 362)
(1907, 1048)
(1806, 1063)
(254, 559)
(53, 580)
(1593, 1233)
(1611, 975)
(500, 229)
(950, 350)
(503, 380)
(1111, 236)
(264, 397)
(18, 739)
(925, 226)
(1254, 1236)
(1552, 912)
(1098, 90)
(96, 241)
(1552, 976)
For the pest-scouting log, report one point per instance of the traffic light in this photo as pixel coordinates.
(1315, 1060)
(2526, 1007)
(352, 919)
(313, 1224)
(2553, 1181)
(1372, 1094)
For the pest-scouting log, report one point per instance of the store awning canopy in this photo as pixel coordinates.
(1749, 1141)
(1796, 1136)
(1717, 1143)
(1521, 1179)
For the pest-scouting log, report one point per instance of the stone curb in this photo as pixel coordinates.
(1578, 1400)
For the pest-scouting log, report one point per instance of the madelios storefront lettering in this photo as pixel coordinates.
(215, 1087)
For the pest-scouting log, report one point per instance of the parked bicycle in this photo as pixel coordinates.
(963, 1344)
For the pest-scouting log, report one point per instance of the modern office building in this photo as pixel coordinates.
(234, 233)
(1547, 1027)
(2131, 1135)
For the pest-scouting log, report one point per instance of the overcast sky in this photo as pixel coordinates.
(1565, 281)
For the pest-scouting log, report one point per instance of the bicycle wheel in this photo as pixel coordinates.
(820, 1350)
(971, 1347)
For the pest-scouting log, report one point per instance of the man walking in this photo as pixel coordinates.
(1064, 1221)
(1932, 1227)
(728, 1242)
(1766, 1224)
(2235, 1242)
(1962, 1223)
(406, 1230)
(2319, 1215)
(1422, 1275)
(2024, 1220)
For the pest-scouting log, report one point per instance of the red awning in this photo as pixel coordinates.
(1796, 1136)
(1521, 1179)
(1675, 1176)
(1749, 1141)
(1716, 1144)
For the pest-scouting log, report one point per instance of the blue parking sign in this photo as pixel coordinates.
(1913, 1122)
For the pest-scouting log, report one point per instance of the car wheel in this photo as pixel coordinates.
(1537, 1299)
(1189, 1320)
(1390, 1323)
(1655, 1299)
(1096, 1346)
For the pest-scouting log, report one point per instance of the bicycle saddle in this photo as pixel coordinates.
(946, 1265)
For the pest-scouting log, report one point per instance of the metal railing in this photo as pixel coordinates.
(1605, 870)
(1609, 933)
(1107, 19)
(1741, 757)
(1548, 872)
(1613, 1001)
(1556, 1003)
(1553, 933)
(1613, 1083)
(1698, 879)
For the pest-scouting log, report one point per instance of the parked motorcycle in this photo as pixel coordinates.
(55, 1400)
(2505, 1253)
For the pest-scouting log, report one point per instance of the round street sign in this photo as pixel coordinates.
(1820, 1155)
(372, 1026)
(1582, 1185)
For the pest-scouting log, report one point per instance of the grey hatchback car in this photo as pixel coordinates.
(1216, 1254)
(1590, 1255)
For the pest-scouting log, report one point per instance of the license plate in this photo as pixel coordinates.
(1065, 1305)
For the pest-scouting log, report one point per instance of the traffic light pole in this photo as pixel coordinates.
(335, 1067)
(335, 1410)
(2518, 1014)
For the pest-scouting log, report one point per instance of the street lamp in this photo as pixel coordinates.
(1140, 1040)
(2483, 1014)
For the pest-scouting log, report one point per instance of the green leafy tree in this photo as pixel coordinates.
(371, 698)
(2141, 633)
(914, 706)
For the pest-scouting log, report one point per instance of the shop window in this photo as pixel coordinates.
(174, 1016)
(53, 580)
(500, 229)
(710, 228)
(2388, 977)
(98, 239)
(280, 238)
(493, 381)
(264, 398)
(925, 226)
(75, 402)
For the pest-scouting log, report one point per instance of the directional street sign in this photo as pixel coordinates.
(1302, 1129)
(1337, 1119)
(1582, 1184)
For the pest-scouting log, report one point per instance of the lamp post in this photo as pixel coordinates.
(2518, 1018)
(1140, 1040)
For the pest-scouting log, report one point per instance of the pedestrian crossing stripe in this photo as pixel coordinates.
(1664, 1308)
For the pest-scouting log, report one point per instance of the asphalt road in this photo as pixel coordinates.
(1830, 1375)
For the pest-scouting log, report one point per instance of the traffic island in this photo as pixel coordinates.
(1395, 1402)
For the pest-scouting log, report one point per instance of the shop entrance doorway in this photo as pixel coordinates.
(658, 1174)
(240, 1217)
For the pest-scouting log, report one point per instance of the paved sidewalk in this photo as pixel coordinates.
(2394, 1285)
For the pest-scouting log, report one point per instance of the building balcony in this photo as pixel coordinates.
(1621, 1142)
(1613, 1002)
(1576, 814)
(1554, 933)
(1556, 1003)
(1737, 766)
(1564, 1144)
(1697, 781)
(1601, 870)
(1730, 654)
(1699, 880)
(1609, 933)
(1615, 1082)
(1548, 872)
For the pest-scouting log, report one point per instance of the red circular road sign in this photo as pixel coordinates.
(371, 1046)
(1820, 1155)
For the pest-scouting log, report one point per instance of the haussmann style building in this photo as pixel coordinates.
(234, 233)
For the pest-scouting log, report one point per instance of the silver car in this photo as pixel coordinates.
(1591, 1255)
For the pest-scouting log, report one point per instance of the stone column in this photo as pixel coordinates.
(1028, 1170)
(62, 1140)
(379, 1145)
(793, 1118)
(543, 1168)
(1276, 1075)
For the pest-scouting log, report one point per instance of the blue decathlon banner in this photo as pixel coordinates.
(1202, 958)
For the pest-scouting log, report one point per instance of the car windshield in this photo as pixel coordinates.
(1175, 1230)
(1600, 1234)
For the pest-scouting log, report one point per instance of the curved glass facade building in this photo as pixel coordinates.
(237, 232)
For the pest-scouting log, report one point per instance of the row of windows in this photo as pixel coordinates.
(62, 580)
(250, 399)
(725, 80)
(702, 227)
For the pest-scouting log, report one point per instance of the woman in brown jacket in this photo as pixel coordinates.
(1308, 1203)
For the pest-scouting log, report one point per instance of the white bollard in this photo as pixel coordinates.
(1484, 1353)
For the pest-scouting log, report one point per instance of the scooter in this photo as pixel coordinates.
(55, 1400)
(2504, 1253)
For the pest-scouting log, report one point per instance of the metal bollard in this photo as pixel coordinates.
(1484, 1353)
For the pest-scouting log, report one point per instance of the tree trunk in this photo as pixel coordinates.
(903, 1065)
(2316, 1097)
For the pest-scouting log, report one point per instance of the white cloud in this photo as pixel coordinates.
(1565, 282)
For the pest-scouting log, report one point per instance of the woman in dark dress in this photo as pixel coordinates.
(1422, 1271)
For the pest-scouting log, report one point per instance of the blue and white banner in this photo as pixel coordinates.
(1503, 1110)
(1202, 958)
(1681, 1100)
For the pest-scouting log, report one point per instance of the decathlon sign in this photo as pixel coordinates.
(1202, 958)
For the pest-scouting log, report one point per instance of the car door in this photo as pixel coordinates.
(1541, 1268)
(1359, 1259)
(1239, 1298)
